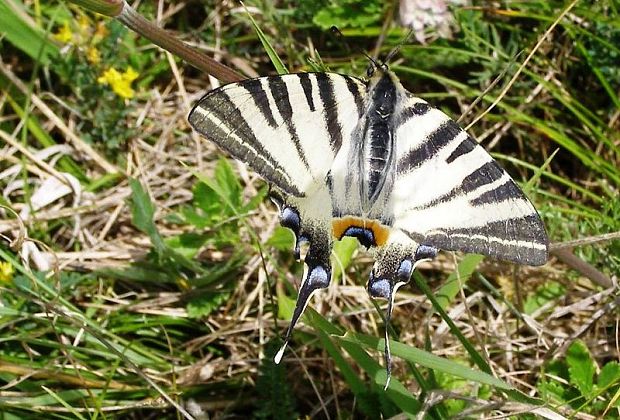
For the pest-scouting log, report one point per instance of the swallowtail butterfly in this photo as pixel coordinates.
(370, 160)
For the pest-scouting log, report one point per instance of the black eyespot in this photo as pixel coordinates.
(366, 237)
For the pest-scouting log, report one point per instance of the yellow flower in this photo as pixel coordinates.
(93, 56)
(120, 82)
(84, 24)
(6, 272)
(100, 32)
(64, 34)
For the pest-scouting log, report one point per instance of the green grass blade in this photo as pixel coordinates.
(473, 353)
(23, 34)
(271, 52)
(396, 391)
(426, 359)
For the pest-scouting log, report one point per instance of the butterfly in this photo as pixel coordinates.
(369, 160)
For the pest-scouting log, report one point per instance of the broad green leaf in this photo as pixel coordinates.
(187, 244)
(228, 182)
(142, 213)
(224, 184)
(201, 306)
(581, 367)
(286, 306)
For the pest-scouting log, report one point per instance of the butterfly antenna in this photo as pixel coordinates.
(372, 60)
(398, 46)
(336, 32)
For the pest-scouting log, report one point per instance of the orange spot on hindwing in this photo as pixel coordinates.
(368, 232)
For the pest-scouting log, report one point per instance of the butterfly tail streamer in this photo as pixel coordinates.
(387, 351)
(318, 277)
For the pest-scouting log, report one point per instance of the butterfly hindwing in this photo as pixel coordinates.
(452, 195)
(286, 128)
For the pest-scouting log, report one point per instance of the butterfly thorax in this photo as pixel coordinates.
(374, 151)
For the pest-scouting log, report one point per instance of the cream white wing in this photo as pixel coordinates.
(286, 128)
(450, 193)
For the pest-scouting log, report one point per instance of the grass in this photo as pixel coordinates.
(158, 283)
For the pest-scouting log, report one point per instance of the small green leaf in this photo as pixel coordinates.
(610, 375)
(276, 399)
(342, 254)
(187, 244)
(142, 212)
(203, 305)
(349, 14)
(282, 239)
(548, 292)
(446, 294)
(581, 367)
(227, 181)
(552, 390)
(286, 306)
(225, 185)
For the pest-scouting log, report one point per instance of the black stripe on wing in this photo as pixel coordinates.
(429, 148)
(506, 191)
(486, 174)
(306, 85)
(232, 122)
(416, 110)
(326, 92)
(258, 94)
(354, 88)
(466, 146)
(281, 96)
(522, 240)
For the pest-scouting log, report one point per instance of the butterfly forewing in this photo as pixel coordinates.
(452, 195)
(286, 128)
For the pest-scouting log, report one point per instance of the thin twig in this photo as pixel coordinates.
(567, 257)
(136, 22)
(585, 241)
